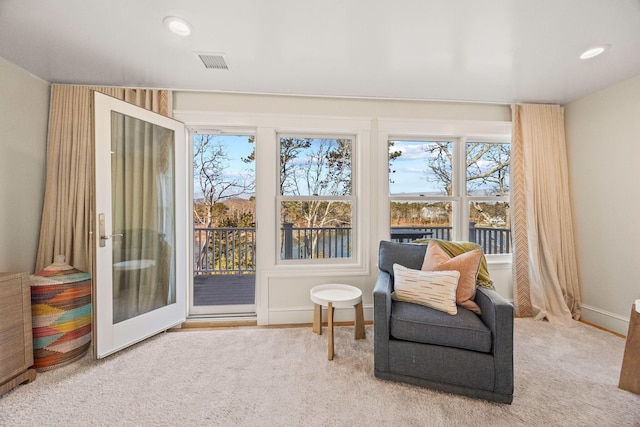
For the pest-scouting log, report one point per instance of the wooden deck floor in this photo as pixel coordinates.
(224, 289)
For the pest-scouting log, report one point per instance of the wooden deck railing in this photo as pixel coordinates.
(315, 242)
(233, 250)
(492, 240)
(224, 250)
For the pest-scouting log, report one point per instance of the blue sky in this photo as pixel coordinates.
(237, 148)
(410, 169)
(412, 174)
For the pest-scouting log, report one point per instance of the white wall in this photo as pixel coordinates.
(24, 114)
(246, 103)
(603, 139)
(283, 293)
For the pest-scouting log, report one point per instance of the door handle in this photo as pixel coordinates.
(103, 236)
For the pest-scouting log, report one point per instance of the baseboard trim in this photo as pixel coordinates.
(304, 314)
(605, 319)
(204, 326)
(212, 323)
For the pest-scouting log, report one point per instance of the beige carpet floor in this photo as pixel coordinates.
(281, 377)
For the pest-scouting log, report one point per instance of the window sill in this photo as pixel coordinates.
(497, 260)
(321, 268)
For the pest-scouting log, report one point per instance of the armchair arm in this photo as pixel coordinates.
(381, 316)
(497, 314)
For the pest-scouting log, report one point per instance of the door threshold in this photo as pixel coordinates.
(210, 322)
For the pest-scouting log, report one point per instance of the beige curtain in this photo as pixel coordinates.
(545, 274)
(67, 217)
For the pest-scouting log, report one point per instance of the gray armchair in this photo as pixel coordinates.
(464, 354)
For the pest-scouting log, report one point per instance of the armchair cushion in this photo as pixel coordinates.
(457, 248)
(416, 323)
(435, 289)
(468, 263)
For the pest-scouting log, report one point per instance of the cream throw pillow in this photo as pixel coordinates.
(435, 289)
(468, 264)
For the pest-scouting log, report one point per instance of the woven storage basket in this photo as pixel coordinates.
(61, 310)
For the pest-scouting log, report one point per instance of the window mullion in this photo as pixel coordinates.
(459, 176)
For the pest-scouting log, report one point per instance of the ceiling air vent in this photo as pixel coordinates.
(213, 61)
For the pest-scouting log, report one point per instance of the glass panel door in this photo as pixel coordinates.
(143, 220)
(140, 274)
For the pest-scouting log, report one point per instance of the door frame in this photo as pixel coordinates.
(236, 312)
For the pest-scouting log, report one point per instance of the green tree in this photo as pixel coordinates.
(393, 154)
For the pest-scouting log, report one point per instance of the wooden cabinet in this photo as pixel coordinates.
(16, 345)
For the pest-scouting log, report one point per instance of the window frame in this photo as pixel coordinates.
(466, 199)
(352, 199)
(458, 132)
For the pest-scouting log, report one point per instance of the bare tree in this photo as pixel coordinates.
(212, 178)
(486, 166)
(210, 159)
(315, 167)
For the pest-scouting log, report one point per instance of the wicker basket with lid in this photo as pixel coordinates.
(61, 309)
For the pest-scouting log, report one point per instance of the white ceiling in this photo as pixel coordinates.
(490, 50)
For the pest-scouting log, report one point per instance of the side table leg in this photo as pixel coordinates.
(360, 333)
(317, 319)
(330, 329)
(630, 372)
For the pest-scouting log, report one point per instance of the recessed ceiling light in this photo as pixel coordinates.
(594, 51)
(177, 25)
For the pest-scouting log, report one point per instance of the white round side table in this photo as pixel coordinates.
(336, 295)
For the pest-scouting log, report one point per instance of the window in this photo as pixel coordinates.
(450, 189)
(316, 201)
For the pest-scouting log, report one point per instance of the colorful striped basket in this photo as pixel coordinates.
(61, 310)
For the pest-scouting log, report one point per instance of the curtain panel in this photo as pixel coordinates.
(68, 217)
(545, 274)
